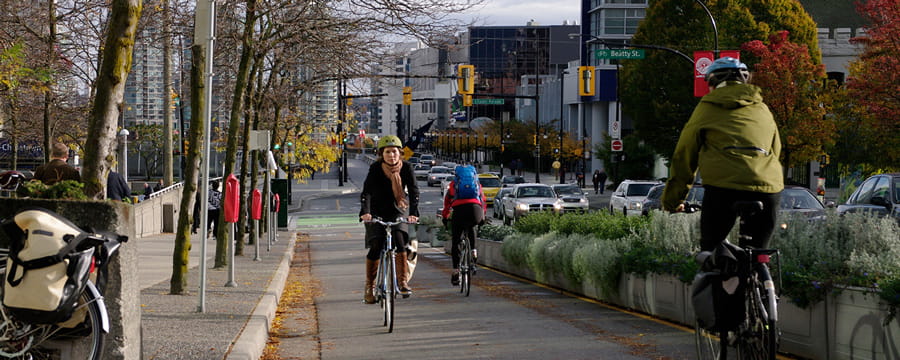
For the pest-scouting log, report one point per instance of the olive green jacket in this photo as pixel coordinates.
(732, 139)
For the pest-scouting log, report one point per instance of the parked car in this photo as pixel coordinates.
(653, 200)
(573, 199)
(490, 184)
(879, 194)
(421, 171)
(529, 197)
(413, 160)
(498, 202)
(437, 174)
(427, 159)
(510, 180)
(629, 196)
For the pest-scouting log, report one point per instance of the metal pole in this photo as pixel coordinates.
(256, 243)
(231, 282)
(205, 31)
(537, 113)
(712, 21)
(562, 93)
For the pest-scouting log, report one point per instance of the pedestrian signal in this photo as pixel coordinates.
(586, 81)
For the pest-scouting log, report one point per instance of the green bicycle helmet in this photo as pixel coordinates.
(389, 140)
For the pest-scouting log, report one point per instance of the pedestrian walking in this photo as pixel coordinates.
(214, 203)
(116, 187)
(599, 180)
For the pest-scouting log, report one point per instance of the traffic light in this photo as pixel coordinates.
(465, 78)
(349, 99)
(586, 81)
(407, 95)
(467, 100)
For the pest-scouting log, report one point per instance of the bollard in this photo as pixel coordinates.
(256, 215)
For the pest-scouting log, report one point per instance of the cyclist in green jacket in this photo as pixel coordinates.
(732, 140)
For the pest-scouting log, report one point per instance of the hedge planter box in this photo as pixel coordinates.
(856, 325)
(803, 331)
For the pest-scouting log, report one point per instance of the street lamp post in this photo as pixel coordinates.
(484, 151)
(124, 134)
(561, 112)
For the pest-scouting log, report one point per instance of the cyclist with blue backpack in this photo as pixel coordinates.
(465, 201)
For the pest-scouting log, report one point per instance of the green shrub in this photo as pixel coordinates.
(495, 232)
(516, 247)
(66, 189)
(599, 261)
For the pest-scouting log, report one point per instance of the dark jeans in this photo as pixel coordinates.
(465, 217)
(717, 218)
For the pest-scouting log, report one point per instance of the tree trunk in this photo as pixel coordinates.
(99, 147)
(237, 111)
(191, 173)
(48, 96)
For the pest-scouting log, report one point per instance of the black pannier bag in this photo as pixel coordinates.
(48, 266)
(717, 292)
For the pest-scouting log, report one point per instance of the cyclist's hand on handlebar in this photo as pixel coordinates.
(365, 217)
(412, 219)
(679, 209)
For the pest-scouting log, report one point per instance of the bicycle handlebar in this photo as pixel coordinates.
(398, 221)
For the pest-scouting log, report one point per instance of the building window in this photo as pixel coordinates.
(625, 2)
(621, 21)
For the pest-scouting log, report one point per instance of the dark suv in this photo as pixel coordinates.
(879, 194)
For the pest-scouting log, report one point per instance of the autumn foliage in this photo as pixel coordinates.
(874, 84)
(793, 87)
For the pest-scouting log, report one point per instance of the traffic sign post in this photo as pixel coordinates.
(616, 145)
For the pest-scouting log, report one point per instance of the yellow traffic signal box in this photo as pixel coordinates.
(407, 95)
(467, 100)
(586, 81)
(465, 78)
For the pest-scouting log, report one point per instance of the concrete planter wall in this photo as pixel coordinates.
(122, 294)
(848, 325)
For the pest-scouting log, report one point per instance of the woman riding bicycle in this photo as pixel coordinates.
(388, 171)
(466, 213)
(733, 140)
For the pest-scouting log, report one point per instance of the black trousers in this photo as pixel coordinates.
(399, 239)
(465, 217)
(717, 218)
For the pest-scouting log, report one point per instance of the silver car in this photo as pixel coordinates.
(438, 173)
(573, 199)
(629, 196)
(529, 197)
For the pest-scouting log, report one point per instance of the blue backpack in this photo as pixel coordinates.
(466, 182)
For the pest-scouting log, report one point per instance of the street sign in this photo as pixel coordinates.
(616, 145)
(487, 101)
(606, 54)
(615, 129)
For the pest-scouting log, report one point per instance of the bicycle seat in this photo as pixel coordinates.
(747, 207)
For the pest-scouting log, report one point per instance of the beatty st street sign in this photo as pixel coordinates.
(627, 54)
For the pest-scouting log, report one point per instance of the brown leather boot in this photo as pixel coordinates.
(371, 271)
(403, 274)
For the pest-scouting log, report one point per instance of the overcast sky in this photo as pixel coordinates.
(519, 12)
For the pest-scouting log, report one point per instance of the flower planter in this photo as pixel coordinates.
(671, 298)
(856, 327)
(803, 331)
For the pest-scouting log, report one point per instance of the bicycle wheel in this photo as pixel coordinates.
(390, 287)
(28, 341)
(464, 263)
(708, 344)
(758, 335)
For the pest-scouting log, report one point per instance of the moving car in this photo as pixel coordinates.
(800, 200)
(421, 171)
(879, 195)
(573, 199)
(490, 184)
(529, 197)
(427, 159)
(629, 196)
(653, 200)
(498, 202)
(510, 180)
(437, 174)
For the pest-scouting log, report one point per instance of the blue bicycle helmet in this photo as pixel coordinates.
(726, 69)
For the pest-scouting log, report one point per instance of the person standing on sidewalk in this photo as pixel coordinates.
(57, 169)
(388, 171)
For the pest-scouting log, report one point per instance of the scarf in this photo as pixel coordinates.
(393, 173)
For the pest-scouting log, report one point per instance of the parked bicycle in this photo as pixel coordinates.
(386, 287)
(756, 335)
(466, 264)
(77, 326)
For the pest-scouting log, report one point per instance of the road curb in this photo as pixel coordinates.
(252, 341)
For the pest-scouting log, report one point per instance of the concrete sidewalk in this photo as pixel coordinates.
(235, 321)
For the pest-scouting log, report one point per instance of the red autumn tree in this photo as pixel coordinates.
(874, 85)
(794, 88)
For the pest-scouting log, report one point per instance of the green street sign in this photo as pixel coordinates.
(487, 101)
(627, 54)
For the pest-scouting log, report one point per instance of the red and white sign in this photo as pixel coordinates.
(616, 145)
(702, 60)
(362, 133)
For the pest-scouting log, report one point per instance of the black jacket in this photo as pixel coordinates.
(116, 187)
(377, 198)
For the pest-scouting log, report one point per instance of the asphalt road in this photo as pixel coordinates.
(504, 318)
